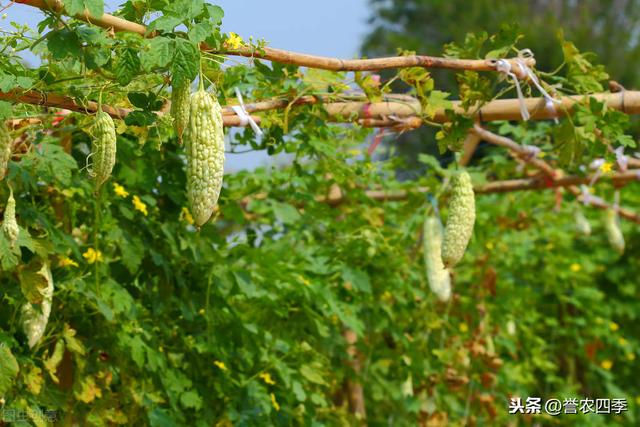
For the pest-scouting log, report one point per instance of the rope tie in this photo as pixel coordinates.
(504, 66)
(595, 165)
(245, 118)
(621, 158)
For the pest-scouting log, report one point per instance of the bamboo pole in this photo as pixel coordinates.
(401, 115)
(294, 58)
(501, 109)
(553, 174)
(90, 107)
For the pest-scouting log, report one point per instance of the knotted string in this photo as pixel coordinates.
(245, 118)
(504, 66)
(621, 158)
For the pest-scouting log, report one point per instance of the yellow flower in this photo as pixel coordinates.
(119, 190)
(186, 215)
(220, 365)
(139, 205)
(613, 326)
(463, 327)
(638, 400)
(622, 341)
(274, 402)
(605, 167)
(234, 41)
(631, 357)
(201, 312)
(575, 267)
(67, 262)
(91, 255)
(266, 377)
(606, 364)
(489, 245)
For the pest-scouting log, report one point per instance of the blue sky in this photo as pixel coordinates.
(329, 27)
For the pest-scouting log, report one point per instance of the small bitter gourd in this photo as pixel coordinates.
(180, 108)
(614, 234)
(462, 216)
(204, 144)
(6, 147)
(9, 223)
(582, 224)
(34, 320)
(437, 275)
(103, 148)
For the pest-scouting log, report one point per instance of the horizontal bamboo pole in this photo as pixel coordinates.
(294, 58)
(90, 107)
(401, 115)
(565, 181)
(552, 174)
(501, 109)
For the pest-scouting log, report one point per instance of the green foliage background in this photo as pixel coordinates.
(242, 322)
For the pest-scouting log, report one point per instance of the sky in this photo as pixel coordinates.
(328, 27)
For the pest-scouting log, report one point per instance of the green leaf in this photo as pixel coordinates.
(160, 418)
(285, 212)
(34, 279)
(191, 400)
(75, 7)
(199, 32)
(215, 13)
(357, 278)
(63, 43)
(140, 118)
(6, 110)
(185, 10)
(156, 52)
(312, 375)
(128, 66)
(186, 61)
(8, 369)
(165, 23)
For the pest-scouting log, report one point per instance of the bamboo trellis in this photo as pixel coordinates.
(286, 57)
(403, 113)
(398, 112)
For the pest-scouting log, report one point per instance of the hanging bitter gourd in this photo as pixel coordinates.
(103, 148)
(204, 143)
(612, 227)
(180, 107)
(437, 275)
(462, 216)
(582, 224)
(34, 320)
(9, 223)
(6, 147)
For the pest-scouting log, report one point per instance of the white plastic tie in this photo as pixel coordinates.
(595, 165)
(504, 66)
(532, 151)
(245, 118)
(621, 158)
(586, 195)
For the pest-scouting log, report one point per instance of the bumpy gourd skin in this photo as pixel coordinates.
(103, 148)
(437, 275)
(6, 144)
(34, 321)
(614, 234)
(9, 224)
(582, 224)
(180, 108)
(204, 143)
(462, 216)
